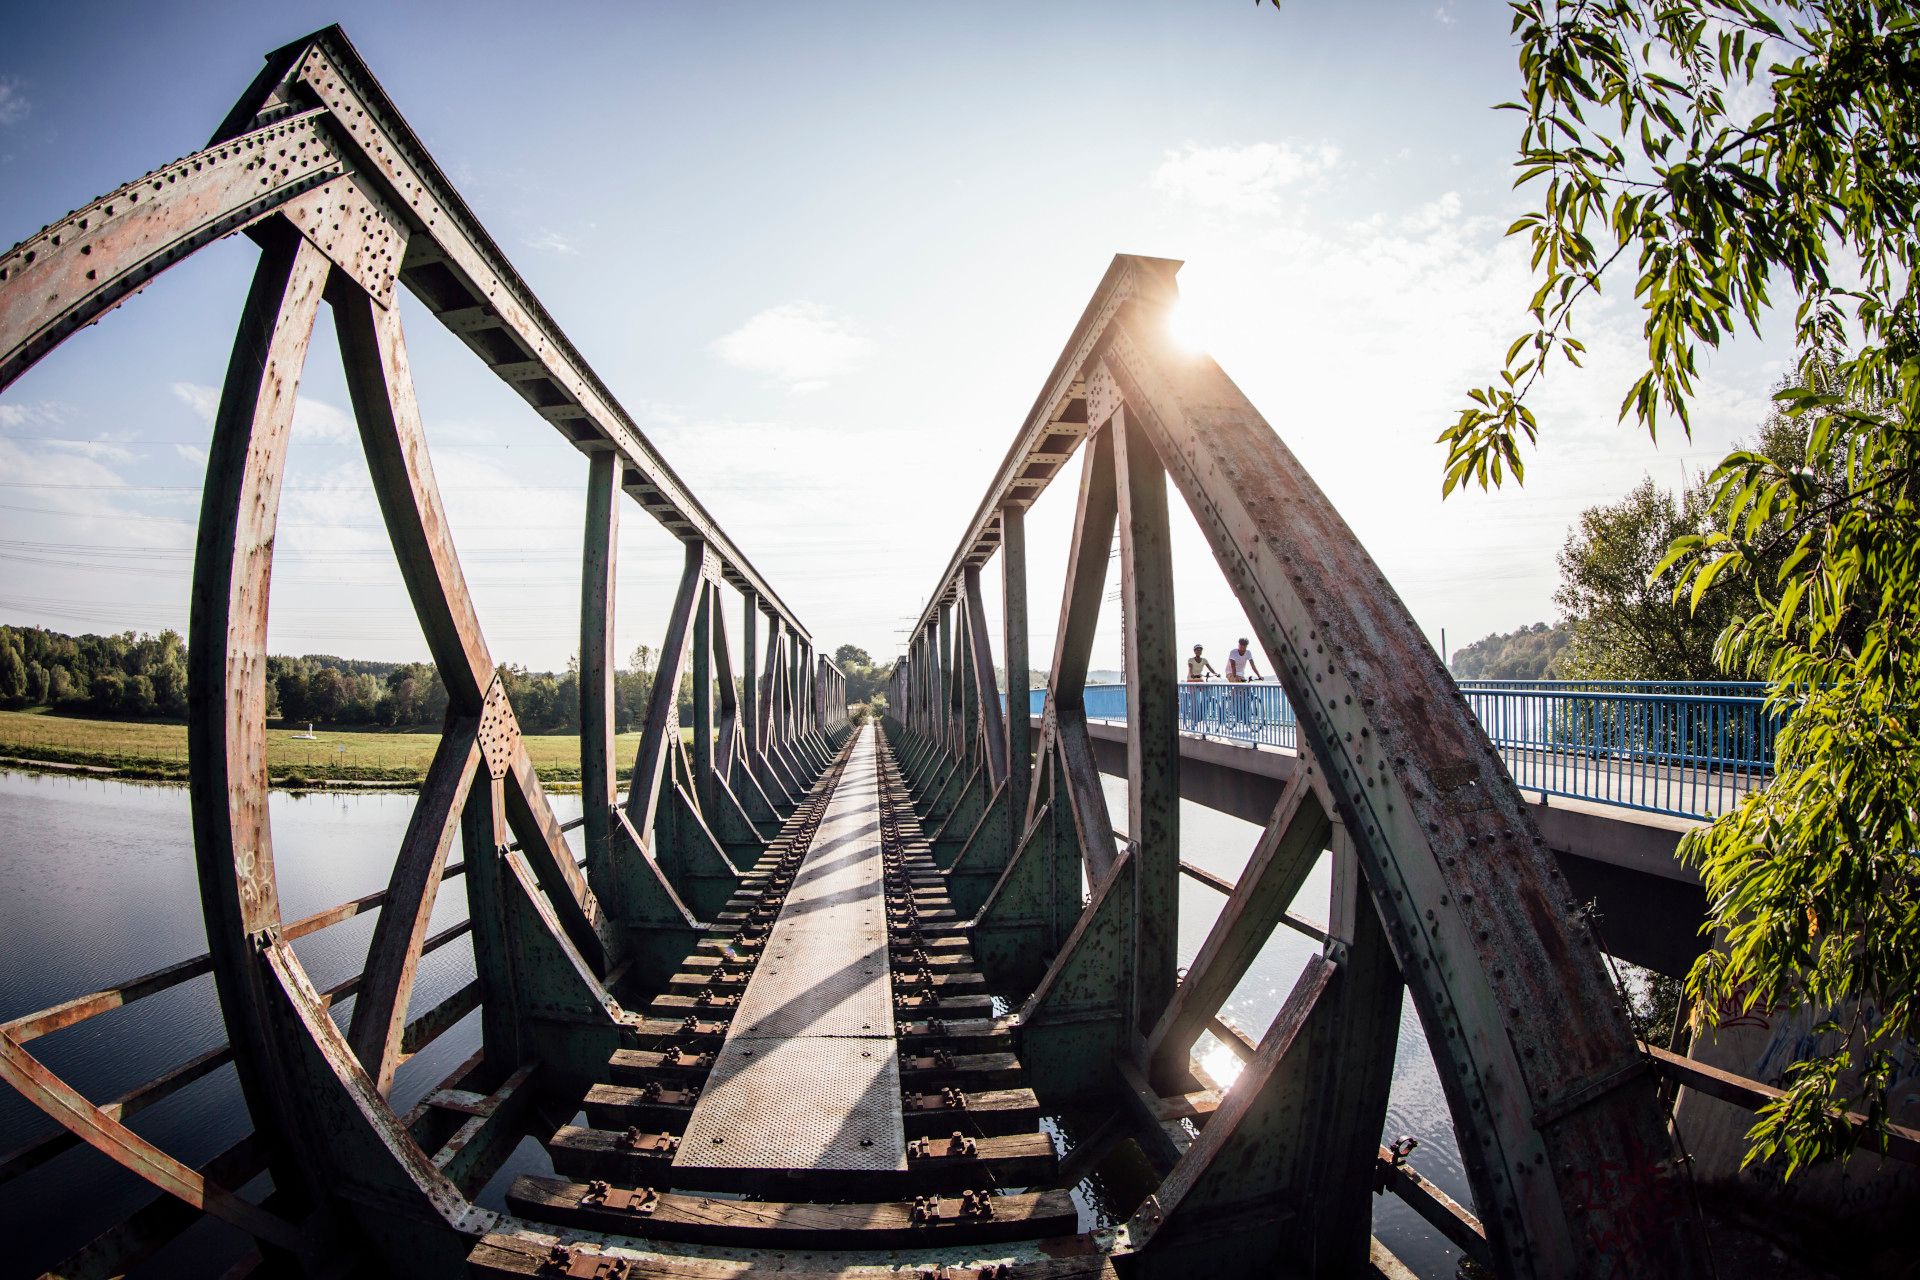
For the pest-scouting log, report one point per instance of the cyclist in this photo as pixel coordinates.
(1240, 662)
(1198, 668)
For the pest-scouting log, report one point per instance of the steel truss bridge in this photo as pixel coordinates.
(813, 987)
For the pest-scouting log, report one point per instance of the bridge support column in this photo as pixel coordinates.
(1153, 739)
(1079, 1020)
(1030, 912)
(1300, 1128)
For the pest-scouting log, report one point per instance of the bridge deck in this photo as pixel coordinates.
(808, 1076)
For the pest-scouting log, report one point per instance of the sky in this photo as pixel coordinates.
(825, 255)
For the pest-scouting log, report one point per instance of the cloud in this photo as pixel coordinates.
(553, 242)
(1241, 179)
(191, 453)
(801, 344)
(39, 413)
(312, 419)
(13, 103)
(99, 450)
(318, 420)
(1444, 15)
(199, 398)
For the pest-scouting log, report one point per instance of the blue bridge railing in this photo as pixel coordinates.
(1688, 748)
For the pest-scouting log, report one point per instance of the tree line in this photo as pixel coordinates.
(1619, 616)
(136, 676)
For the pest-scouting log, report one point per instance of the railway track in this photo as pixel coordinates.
(974, 1186)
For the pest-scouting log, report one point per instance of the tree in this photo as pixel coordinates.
(1531, 653)
(13, 672)
(1626, 625)
(1630, 136)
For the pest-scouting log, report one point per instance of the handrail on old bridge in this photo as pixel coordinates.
(1686, 748)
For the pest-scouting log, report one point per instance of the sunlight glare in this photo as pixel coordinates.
(1188, 326)
(1221, 1063)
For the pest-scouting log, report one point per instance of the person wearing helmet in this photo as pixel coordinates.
(1198, 668)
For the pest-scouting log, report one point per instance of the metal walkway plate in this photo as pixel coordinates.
(808, 1076)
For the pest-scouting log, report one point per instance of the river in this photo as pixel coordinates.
(100, 888)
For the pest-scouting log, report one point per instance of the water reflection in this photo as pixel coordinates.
(100, 888)
(1417, 1107)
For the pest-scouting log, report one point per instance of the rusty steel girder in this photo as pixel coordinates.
(1555, 1107)
(318, 167)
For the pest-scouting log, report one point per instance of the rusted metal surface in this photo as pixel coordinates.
(455, 267)
(125, 1147)
(61, 280)
(129, 1103)
(1153, 743)
(393, 956)
(1505, 975)
(1508, 983)
(345, 203)
(1437, 872)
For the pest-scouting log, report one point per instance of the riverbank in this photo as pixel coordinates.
(146, 751)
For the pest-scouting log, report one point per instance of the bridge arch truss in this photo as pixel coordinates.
(1441, 883)
(318, 167)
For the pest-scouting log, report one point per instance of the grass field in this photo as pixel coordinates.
(159, 751)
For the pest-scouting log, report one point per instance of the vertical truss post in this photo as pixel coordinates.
(1073, 644)
(1013, 592)
(598, 796)
(987, 694)
(735, 807)
(943, 692)
(703, 698)
(967, 693)
(927, 702)
(779, 765)
(750, 676)
(1153, 726)
(484, 841)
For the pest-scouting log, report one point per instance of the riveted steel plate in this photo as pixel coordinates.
(808, 1076)
(818, 1102)
(819, 987)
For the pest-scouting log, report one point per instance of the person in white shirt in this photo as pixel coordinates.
(1240, 664)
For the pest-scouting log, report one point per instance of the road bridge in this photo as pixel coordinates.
(799, 997)
(1645, 902)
